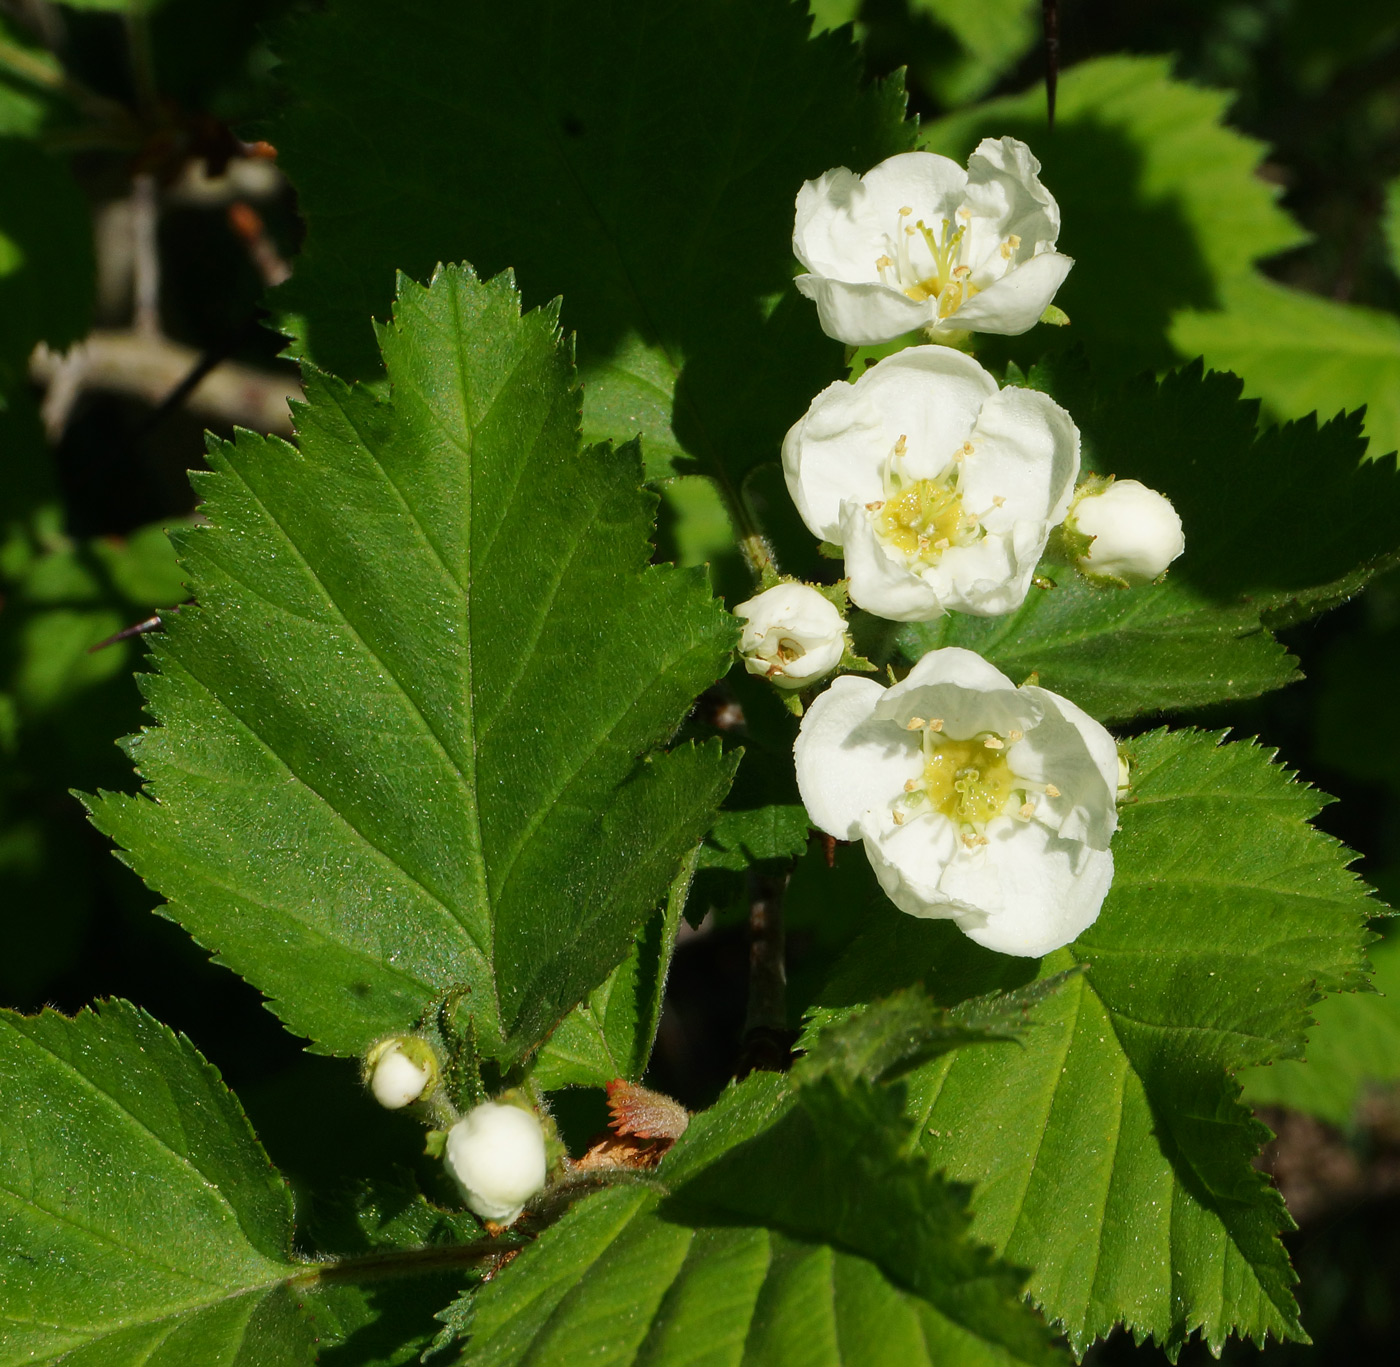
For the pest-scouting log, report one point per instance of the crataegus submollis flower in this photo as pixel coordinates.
(1135, 532)
(940, 488)
(977, 801)
(920, 242)
(399, 1071)
(792, 634)
(496, 1154)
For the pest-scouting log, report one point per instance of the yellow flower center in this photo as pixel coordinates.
(923, 519)
(968, 782)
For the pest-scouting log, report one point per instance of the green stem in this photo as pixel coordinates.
(407, 1262)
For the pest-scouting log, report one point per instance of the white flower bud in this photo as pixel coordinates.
(496, 1154)
(792, 635)
(399, 1070)
(1136, 532)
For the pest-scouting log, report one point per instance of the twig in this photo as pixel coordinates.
(1050, 10)
(151, 368)
(145, 255)
(767, 1044)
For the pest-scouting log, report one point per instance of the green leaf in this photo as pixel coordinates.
(22, 109)
(1299, 353)
(645, 156)
(1109, 1150)
(990, 37)
(1259, 552)
(125, 1163)
(46, 257)
(891, 1036)
(407, 738)
(753, 835)
(797, 1230)
(1160, 202)
(1354, 1044)
(610, 1034)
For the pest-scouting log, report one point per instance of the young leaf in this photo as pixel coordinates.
(407, 739)
(126, 1164)
(645, 156)
(1258, 552)
(787, 1237)
(1121, 1123)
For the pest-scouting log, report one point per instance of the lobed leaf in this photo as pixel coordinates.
(407, 738)
(1201, 635)
(643, 158)
(1109, 1150)
(140, 1221)
(796, 1230)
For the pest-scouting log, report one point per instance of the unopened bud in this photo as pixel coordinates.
(1135, 532)
(792, 634)
(496, 1153)
(400, 1070)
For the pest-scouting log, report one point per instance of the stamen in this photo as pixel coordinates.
(898, 817)
(914, 724)
(876, 506)
(1015, 735)
(1027, 811)
(902, 445)
(994, 743)
(998, 501)
(910, 784)
(1051, 790)
(936, 724)
(906, 211)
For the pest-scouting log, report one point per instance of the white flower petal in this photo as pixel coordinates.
(1014, 303)
(846, 766)
(1036, 891)
(1074, 752)
(1027, 450)
(863, 313)
(965, 692)
(1003, 188)
(911, 861)
(838, 449)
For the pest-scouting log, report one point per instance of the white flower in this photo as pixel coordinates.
(941, 489)
(977, 801)
(496, 1153)
(919, 242)
(792, 635)
(1135, 530)
(396, 1079)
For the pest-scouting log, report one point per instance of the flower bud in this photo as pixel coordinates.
(792, 634)
(496, 1153)
(1135, 532)
(400, 1070)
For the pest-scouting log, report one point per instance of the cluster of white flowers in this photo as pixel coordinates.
(975, 800)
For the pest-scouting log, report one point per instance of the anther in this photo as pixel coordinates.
(967, 448)
(1051, 790)
(902, 445)
(876, 506)
(998, 501)
(883, 263)
(906, 211)
(914, 724)
(936, 724)
(1027, 811)
(910, 784)
(994, 743)
(899, 818)
(1015, 735)
(961, 272)
(940, 545)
